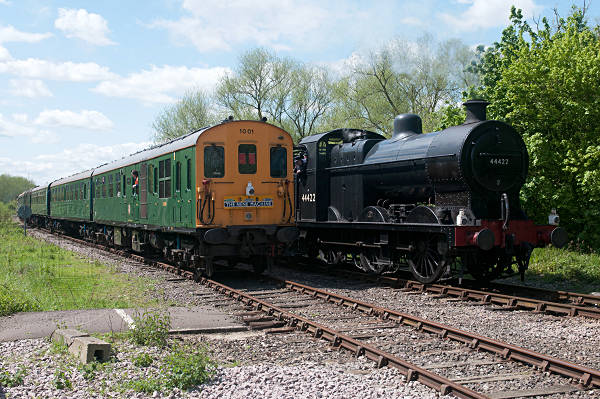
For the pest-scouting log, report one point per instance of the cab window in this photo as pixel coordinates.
(278, 162)
(247, 158)
(214, 161)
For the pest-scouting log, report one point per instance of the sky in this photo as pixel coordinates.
(82, 81)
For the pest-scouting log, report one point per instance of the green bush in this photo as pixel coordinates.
(151, 328)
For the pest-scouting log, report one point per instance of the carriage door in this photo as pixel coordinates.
(144, 191)
(177, 206)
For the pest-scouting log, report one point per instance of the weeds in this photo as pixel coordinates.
(143, 360)
(147, 385)
(184, 368)
(151, 328)
(187, 367)
(89, 370)
(9, 380)
(61, 380)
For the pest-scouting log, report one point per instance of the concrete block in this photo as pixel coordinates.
(89, 349)
(66, 336)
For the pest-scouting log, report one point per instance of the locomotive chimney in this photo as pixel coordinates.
(406, 125)
(475, 110)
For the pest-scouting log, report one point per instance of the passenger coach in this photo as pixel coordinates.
(222, 192)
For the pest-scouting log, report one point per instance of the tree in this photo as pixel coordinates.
(311, 98)
(405, 77)
(291, 95)
(12, 186)
(546, 83)
(258, 87)
(190, 113)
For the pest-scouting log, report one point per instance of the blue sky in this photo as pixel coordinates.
(82, 81)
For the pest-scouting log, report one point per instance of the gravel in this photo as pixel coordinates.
(295, 365)
(268, 366)
(309, 371)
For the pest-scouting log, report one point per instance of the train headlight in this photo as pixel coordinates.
(249, 189)
(553, 218)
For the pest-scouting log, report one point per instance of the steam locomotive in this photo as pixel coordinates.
(440, 204)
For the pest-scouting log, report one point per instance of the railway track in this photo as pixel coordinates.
(390, 338)
(507, 296)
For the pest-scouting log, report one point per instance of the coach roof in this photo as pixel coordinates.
(72, 178)
(179, 143)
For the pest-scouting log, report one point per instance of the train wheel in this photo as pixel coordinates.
(426, 263)
(330, 257)
(209, 267)
(371, 263)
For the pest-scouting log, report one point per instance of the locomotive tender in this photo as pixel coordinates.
(222, 192)
(420, 200)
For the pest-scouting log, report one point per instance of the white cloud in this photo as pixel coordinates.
(345, 66)
(83, 25)
(48, 167)
(4, 54)
(160, 84)
(35, 68)
(19, 126)
(10, 34)
(484, 14)
(92, 120)
(218, 25)
(32, 88)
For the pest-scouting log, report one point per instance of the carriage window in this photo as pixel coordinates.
(110, 186)
(189, 174)
(247, 158)
(178, 176)
(214, 161)
(164, 178)
(278, 162)
(123, 186)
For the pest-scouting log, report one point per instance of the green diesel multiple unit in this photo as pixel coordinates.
(222, 192)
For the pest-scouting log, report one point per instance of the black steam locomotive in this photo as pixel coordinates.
(422, 201)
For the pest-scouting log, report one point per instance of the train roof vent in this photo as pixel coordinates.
(475, 110)
(406, 125)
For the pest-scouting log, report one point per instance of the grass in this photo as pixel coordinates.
(35, 275)
(566, 269)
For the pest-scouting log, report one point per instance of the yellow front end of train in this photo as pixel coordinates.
(244, 176)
